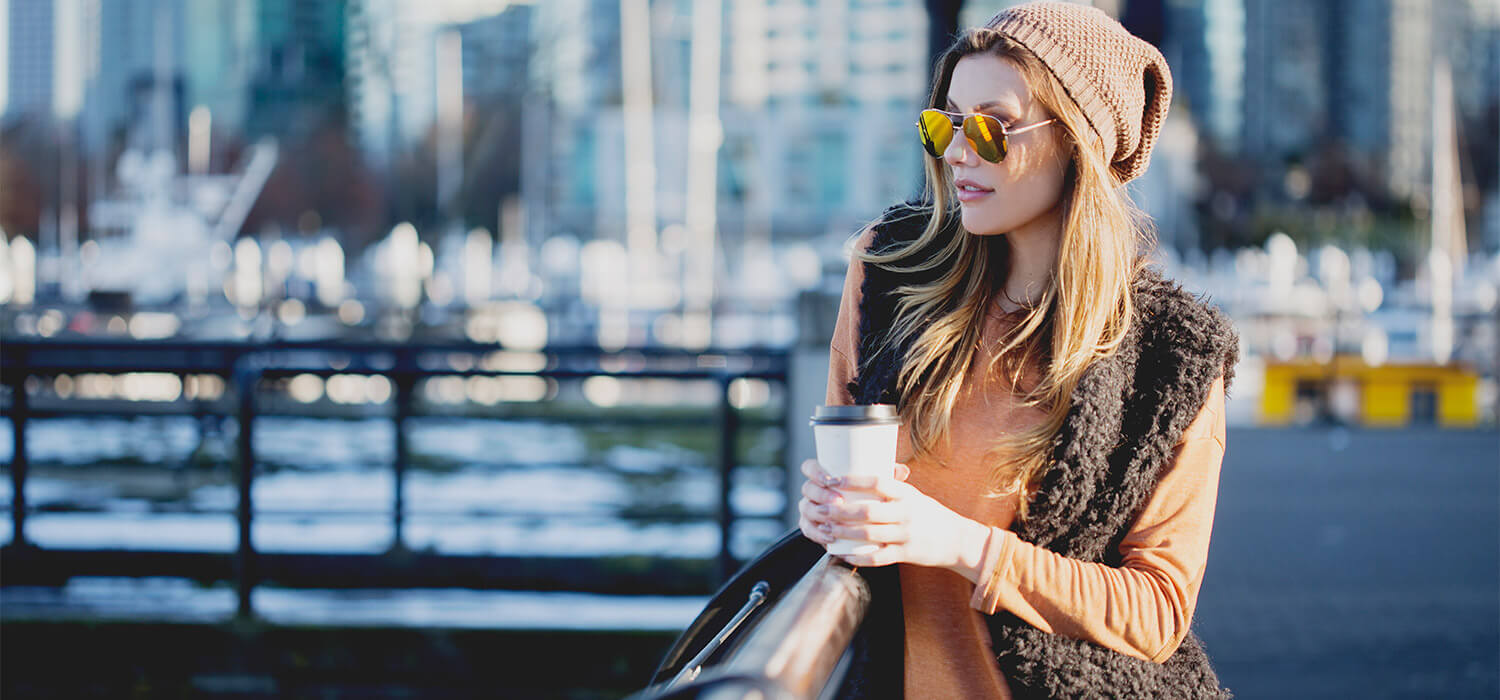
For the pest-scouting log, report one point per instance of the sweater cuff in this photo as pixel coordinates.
(986, 597)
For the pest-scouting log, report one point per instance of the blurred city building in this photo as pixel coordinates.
(299, 59)
(30, 58)
(674, 172)
(1360, 74)
(815, 102)
(390, 75)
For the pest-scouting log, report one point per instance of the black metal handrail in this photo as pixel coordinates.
(244, 365)
(796, 650)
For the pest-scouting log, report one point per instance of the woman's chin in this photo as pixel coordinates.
(977, 223)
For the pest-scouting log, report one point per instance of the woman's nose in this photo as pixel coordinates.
(958, 150)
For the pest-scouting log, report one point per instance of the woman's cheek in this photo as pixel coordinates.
(1009, 207)
(990, 218)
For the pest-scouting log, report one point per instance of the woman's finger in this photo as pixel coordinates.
(902, 472)
(817, 494)
(870, 511)
(817, 514)
(814, 533)
(880, 533)
(814, 471)
(811, 531)
(883, 486)
(883, 556)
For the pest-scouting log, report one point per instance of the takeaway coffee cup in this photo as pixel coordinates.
(856, 440)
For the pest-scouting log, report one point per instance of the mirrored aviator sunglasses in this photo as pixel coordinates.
(986, 134)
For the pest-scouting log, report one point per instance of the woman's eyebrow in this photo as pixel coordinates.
(984, 106)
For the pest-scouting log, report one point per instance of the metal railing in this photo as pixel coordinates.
(247, 366)
(796, 650)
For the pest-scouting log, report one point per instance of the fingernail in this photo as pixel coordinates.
(824, 510)
(834, 481)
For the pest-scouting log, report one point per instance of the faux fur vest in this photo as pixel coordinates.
(1127, 413)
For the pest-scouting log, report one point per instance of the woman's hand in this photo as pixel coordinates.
(910, 526)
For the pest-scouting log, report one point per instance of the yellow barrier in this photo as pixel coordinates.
(1390, 395)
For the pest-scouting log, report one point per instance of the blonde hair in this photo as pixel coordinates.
(1083, 314)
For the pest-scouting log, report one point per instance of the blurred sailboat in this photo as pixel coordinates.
(1448, 250)
(154, 239)
(168, 225)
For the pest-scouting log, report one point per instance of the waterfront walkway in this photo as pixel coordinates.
(1344, 564)
(1356, 564)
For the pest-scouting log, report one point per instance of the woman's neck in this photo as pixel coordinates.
(1033, 255)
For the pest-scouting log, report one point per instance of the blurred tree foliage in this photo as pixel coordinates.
(321, 171)
(1332, 195)
(321, 178)
(30, 181)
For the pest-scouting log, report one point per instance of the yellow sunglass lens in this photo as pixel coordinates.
(935, 127)
(987, 135)
(936, 131)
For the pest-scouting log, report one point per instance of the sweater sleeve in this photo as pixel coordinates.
(843, 348)
(1143, 607)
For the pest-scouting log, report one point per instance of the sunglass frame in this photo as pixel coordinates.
(962, 121)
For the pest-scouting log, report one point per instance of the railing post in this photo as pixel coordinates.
(405, 386)
(791, 433)
(729, 427)
(807, 382)
(246, 379)
(19, 407)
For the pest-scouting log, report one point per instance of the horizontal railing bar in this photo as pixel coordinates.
(481, 466)
(372, 346)
(639, 574)
(50, 509)
(699, 374)
(564, 419)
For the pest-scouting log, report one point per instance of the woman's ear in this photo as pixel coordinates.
(1068, 145)
(1070, 173)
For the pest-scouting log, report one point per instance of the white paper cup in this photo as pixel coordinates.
(856, 440)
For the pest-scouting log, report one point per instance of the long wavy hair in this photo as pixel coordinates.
(1082, 315)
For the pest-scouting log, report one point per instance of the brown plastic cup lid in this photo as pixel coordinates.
(869, 414)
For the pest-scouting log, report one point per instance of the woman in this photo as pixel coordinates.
(1062, 404)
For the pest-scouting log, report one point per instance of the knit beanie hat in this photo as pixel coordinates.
(1121, 81)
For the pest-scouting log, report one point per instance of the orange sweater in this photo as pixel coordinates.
(1141, 608)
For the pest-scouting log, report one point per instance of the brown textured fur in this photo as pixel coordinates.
(1127, 413)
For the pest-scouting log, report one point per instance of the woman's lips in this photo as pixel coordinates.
(968, 195)
(969, 191)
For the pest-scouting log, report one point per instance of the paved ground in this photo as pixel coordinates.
(1350, 563)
